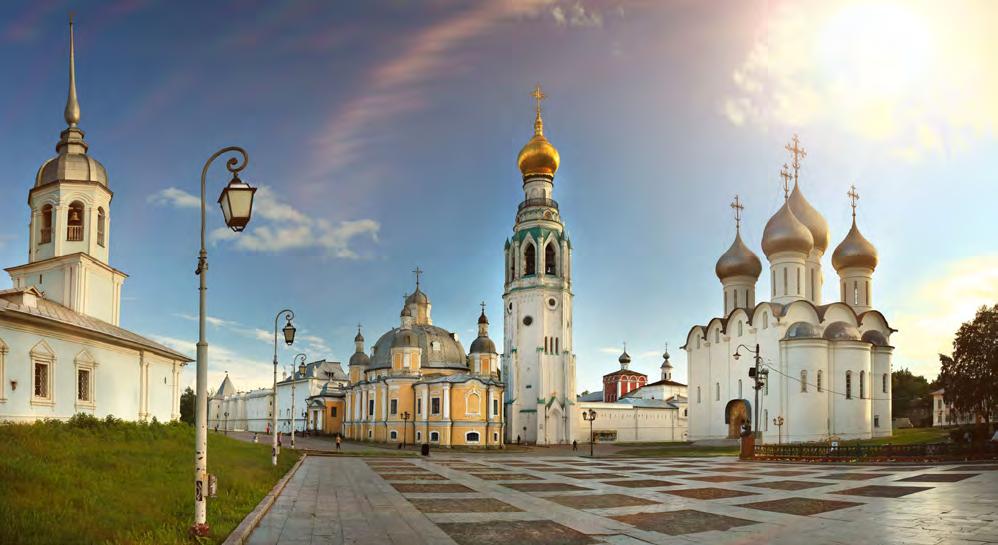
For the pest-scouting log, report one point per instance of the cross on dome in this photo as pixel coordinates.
(798, 153)
(417, 272)
(538, 95)
(785, 174)
(853, 197)
(737, 206)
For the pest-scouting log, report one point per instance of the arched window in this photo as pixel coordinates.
(471, 437)
(512, 266)
(550, 267)
(765, 320)
(884, 381)
(74, 225)
(798, 281)
(855, 293)
(819, 379)
(786, 291)
(46, 234)
(717, 391)
(740, 328)
(803, 380)
(698, 394)
(862, 384)
(734, 293)
(848, 384)
(530, 260)
(100, 227)
(739, 388)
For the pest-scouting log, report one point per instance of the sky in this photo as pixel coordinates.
(383, 136)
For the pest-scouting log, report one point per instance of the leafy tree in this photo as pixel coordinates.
(187, 406)
(970, 376)
(908, 389)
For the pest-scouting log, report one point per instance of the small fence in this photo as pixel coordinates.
(930, 451)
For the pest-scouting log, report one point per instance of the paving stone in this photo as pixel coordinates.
(413, 477)
(507, 477)
(667, 472)
(939, 477)
(519, 532)
(592, 475)
(464, 505)
(800, 506)
(789, 485)
(989, 467)
(850, 476)
(599, 501)
(878, 491)
(544, 487)
(720, 478)
(641, 483)
(685, 521)
(434, 488)
(786, 473)
(709, 493)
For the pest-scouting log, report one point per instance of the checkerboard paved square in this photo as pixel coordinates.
(800, 506)
(519, 532)
(708, 493)
(431, 488)
(789, 485)
(876, 491)
(464, 505)
(720, 478)
(641, 483)
(848, 476)
(939, 477)
(506, 477)
(599, 501)
(544, 487)
(685, 521)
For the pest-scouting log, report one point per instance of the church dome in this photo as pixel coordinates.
(785, 233)
(440, 349)
(802, 330)
(483, 345)
(538, 157)
(738, 261)
(417, 297)
(72, 167)
(875, 337)
(360, 358)
(811, 219)
(854, 251)
(841, 331)
(624, 358)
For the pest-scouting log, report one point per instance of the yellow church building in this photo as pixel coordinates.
(419, 386)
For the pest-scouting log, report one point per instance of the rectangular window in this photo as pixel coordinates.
(370, 407)
(83, 385)
(394, 404)
(41, 380)
(798, 281)
(434, 405)
(786, 291)
(419, 406)
(876, 421)
(495, 407)
(332, 412)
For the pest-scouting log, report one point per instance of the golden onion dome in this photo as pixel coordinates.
(538, 156)
(785, 233)
(854, 251)
(811, 219)
(738, 261)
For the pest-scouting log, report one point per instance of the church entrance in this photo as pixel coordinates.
(736, 413)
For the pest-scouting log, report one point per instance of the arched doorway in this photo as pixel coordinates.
(736, 413)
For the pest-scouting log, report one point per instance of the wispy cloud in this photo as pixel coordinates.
(397, 85)
(935, 309)
(245, 373)
(278, 226)
(576, 15)
(913, 76)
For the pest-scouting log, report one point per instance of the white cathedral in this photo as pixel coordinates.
(62, 350)
(829, 365)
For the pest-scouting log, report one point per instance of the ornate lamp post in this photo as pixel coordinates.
(226, 423)
(236, 201)
(301, 372)
(778, 422)
(289, 338)
(590, 416)
(758, 375)
(405, 420)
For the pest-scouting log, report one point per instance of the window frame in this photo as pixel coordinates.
(435, 406)
(42, 354)
(434, 434)
(477, 440)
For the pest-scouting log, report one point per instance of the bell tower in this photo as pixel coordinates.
(69, 232)
(538, 363)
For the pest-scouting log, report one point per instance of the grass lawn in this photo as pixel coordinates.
(95, 482)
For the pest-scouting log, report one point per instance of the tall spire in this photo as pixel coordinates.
(538, 95)
(72, 113)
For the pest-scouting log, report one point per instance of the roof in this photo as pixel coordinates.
(591, 396)
(330, 390)
(664, 383)
(226, 389)
(52, 312)
(625, 372)
(451, 354)
(647, 403)
(461, 377)
(322, 369)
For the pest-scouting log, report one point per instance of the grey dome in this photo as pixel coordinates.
(359, 358)
(624, 358)
(73, 167)
(841, 331)
(875, 337)
(483, 345)
(802, 330)
(738, 261)
(417, 297)
(450, 355)
(405, 339)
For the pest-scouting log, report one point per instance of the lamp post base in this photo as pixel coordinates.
(199, 530)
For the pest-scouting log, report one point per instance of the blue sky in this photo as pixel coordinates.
(383, 135)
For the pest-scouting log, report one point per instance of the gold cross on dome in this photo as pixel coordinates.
(482, 304)
(798, 153)
(785, 174)
(853, 197)
(538, 95)
(737, 206)
(417, 272)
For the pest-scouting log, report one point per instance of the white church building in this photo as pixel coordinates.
(538, 365)
(828, 364)
(62, 350)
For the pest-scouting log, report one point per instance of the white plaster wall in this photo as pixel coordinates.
(805, 413)
(852, 417)
(631, 423)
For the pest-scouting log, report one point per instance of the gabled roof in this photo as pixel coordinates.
(591, 396)
(662, 383)
(53, 314)
(225, 389)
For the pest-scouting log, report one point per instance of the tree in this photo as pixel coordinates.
(970, 375)
(187, 406)
(907, 389)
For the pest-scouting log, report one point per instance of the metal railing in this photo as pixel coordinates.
(550, 203)
(873, 452)
(74, 233)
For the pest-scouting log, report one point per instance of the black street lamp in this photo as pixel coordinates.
(759, 376)
(236, 201)
(590, 416)
(289, 338)
(226, 422)
(405, 419)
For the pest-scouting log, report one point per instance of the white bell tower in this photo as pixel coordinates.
(538, 362)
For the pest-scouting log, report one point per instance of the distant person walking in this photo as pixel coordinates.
(338, 441)
(575, 445)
